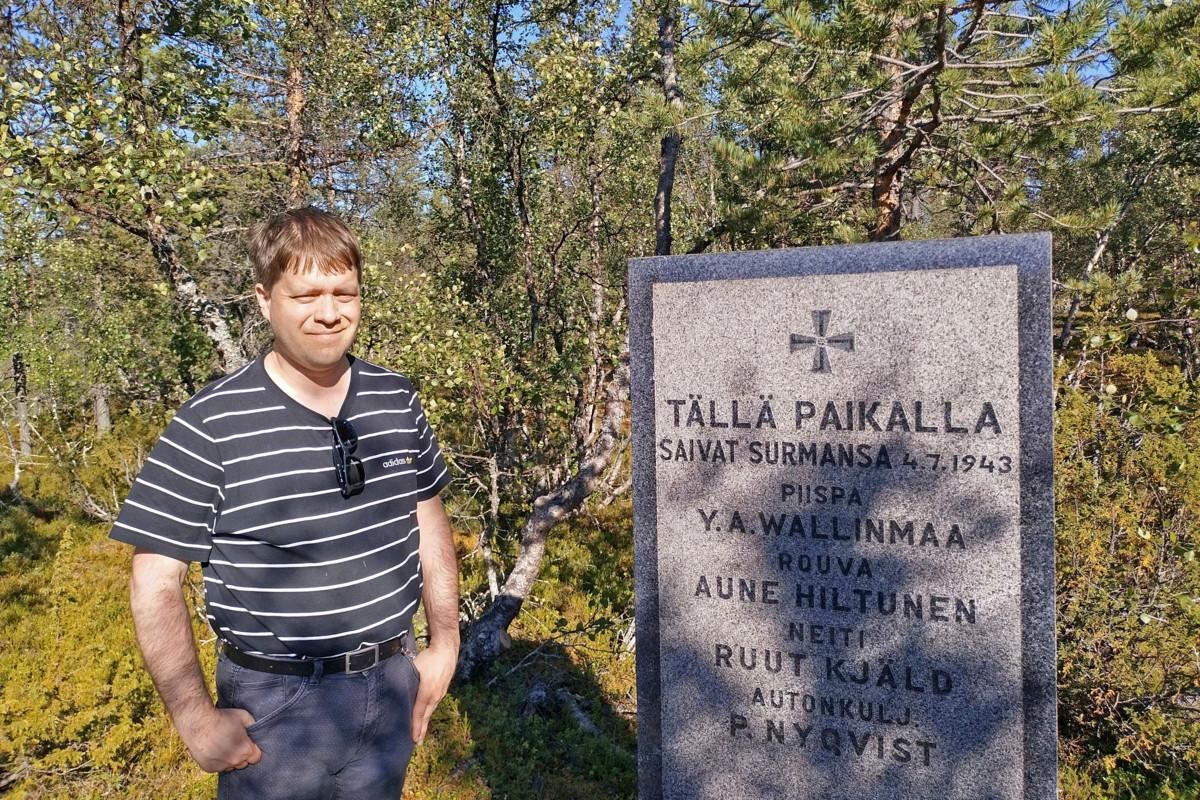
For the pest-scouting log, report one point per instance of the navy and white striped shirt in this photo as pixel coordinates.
(243, 481)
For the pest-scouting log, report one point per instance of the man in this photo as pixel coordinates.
(306, 484)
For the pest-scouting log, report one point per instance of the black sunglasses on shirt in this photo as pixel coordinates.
(350, 475)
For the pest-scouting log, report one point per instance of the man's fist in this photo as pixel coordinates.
(218, 741)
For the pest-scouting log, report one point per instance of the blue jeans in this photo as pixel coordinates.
(323, 737)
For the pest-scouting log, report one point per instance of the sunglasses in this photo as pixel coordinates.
(350, 476)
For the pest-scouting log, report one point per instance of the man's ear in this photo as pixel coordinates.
(263, 295)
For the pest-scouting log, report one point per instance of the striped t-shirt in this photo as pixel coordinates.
(243, 481)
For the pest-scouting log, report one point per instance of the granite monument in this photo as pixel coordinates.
(843, 522)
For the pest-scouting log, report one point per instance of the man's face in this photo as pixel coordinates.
(314, 316)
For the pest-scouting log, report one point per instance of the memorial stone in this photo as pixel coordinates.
(843, 521)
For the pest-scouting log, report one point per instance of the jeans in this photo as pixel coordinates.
(323, 737)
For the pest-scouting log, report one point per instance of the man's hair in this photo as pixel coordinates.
(301, 239)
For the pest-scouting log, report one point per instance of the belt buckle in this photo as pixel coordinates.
(372, 651)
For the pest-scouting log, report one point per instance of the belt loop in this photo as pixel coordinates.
(318, 669)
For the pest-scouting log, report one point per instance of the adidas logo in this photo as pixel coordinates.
(397, 462)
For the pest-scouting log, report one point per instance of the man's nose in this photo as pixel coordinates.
(326, 311)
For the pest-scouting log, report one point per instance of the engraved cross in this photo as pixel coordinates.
(822, 341)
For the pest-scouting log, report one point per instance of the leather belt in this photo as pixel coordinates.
(357, 661)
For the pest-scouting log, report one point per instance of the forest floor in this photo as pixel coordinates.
(554, 718)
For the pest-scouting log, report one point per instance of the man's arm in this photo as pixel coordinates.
(216, 738)
(439, 571)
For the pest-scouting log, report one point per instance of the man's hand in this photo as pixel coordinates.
(218, 742)
(215, 737)
(436, 667)
(439, 569)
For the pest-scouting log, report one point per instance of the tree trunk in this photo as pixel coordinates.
(512, 143)
(886, 197)
(100, 409)
(466, 192)
(490, 529)
(669, 149)
(295, 156)
(521, 207)
(588, 394)
(466, 188)
(899, 140)
(888, 172)
(21, 385)
(1191, 356)
(188, 294)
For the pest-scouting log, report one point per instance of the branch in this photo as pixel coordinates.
(253, 76)
(967, 37)
(705, 240)
(101, 213)
(1103, 237)
(488, 635)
